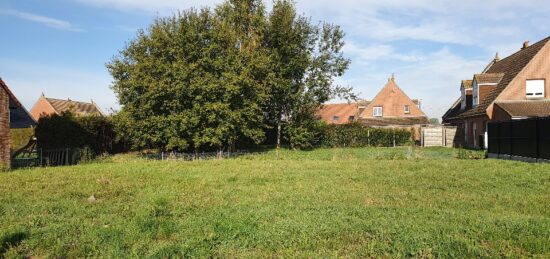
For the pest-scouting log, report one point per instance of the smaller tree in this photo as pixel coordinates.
(434, 121)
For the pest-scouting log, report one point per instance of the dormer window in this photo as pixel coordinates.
(534, 89)
(351, 118)
(377, 112)
(335, 119)
(407, 109)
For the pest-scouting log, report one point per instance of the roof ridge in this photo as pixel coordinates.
(56, 99)
(521, 50)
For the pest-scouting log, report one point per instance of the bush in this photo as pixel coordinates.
(68, 131)
(358, 135)
(462, 153)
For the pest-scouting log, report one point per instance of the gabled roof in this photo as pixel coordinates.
(489, 78)
(453, 111)
(510, 67)
(13, 99)
(525, 108)
(80, 108)
(343, 111)
(19, 116)
(467, 84)
(393, 99)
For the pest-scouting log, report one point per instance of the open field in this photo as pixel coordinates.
(324, 203)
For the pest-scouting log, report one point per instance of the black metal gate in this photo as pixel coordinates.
(47, 157)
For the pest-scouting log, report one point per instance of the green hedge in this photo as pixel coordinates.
(68, 131)
(358, 135)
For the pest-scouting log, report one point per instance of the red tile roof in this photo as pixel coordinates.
(340, 111)
(526, 108)
(80, 108)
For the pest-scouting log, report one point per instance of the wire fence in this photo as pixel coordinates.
(177, 156)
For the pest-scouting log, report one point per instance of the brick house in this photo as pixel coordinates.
(515, 87)
(12, 115)
(391, 108)
(47, 106)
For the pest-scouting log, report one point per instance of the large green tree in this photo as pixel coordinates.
(194, 80)
(211, 77)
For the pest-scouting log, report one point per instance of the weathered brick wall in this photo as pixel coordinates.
(4, 129)
(41, 108)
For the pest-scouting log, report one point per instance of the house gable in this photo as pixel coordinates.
(537, 68)
(42, 108)
(393, 101)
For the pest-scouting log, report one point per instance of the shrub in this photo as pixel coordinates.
(462, 153)
(68, 131)
(358, 135)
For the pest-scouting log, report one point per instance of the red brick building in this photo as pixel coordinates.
(390, 108)
(515, 87)
(48, 106)
(12, 115)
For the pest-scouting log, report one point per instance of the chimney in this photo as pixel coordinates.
(497, 57)
(525, 45)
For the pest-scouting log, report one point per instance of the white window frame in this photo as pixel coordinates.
(407, 109)
(335, 118)
(377, 111)
(533, 89)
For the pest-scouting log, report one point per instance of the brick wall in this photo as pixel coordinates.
(41, 108)
(4, 129)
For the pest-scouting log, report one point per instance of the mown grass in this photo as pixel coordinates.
(324, 203)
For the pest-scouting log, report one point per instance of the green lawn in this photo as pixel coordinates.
(324, 203)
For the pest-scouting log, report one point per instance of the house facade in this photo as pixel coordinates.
(516, 87)
(12, 115)
(391, 108)
(45, 106)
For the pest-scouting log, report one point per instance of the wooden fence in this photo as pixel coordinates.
(440, 137)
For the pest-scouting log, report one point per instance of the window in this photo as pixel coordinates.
(377, 112)
(351, 118)
(335, 119)
(407, 109)
(534, 89)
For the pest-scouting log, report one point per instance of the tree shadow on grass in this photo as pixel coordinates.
(11, 240)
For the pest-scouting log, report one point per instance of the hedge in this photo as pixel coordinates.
(68, 131)
(358, 135)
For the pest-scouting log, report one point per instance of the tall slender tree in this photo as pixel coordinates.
(305, 58)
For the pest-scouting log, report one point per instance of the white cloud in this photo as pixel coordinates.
(161, 6)
(47, 21)
(370, 54)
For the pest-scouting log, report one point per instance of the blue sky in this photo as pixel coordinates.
(60, 47)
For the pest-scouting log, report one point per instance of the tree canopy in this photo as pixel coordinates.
(208, 78)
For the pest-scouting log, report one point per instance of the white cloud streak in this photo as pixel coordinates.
(47, 21)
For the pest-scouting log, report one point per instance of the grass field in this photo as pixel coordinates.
(324, 203)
